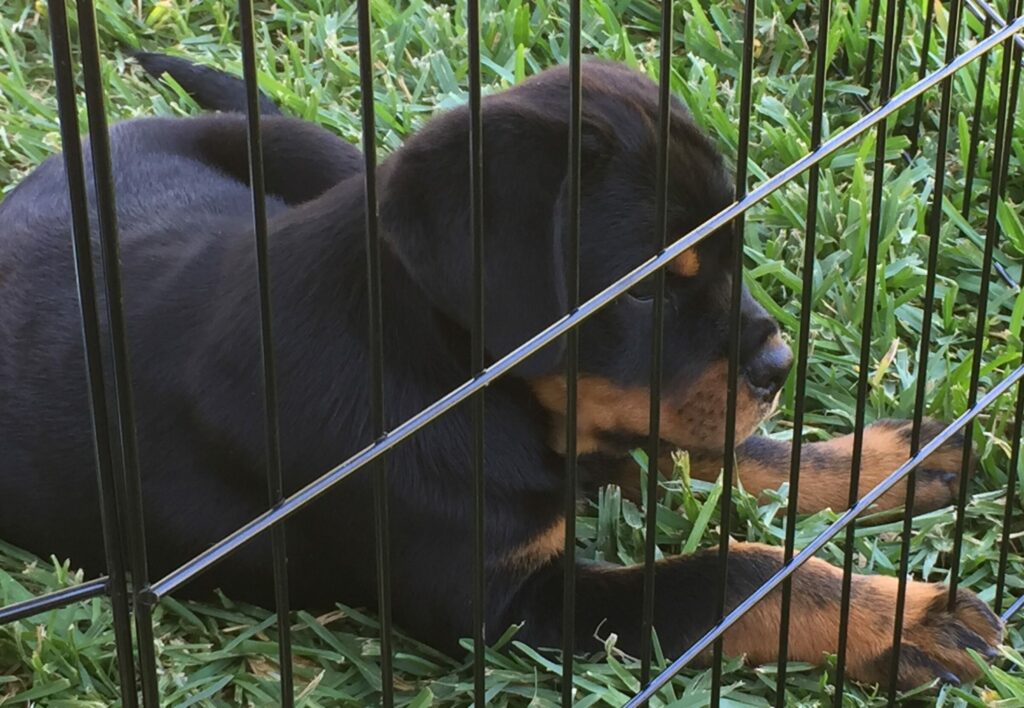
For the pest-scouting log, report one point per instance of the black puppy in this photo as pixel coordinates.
(184, 213)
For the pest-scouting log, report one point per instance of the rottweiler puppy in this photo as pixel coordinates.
(183, 206)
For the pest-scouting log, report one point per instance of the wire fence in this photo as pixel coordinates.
(134, 594)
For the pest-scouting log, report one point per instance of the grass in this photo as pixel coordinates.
(222, 653)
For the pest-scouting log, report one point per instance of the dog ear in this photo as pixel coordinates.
(425, 214)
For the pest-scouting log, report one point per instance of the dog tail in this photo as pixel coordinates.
(212, 89)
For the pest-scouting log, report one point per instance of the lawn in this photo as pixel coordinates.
(222, 653)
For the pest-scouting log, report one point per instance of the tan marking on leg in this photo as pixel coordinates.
(825, 469)
(539, 550)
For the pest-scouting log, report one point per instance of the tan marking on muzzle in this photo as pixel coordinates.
(694, 418)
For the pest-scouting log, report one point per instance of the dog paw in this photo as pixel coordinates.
(887, 446)
(826, 466)
(935, 637)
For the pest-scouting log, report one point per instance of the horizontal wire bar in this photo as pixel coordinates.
(827, 535)
(53, 600)
(322, 484)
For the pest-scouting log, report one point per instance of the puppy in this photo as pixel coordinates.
(192, 319)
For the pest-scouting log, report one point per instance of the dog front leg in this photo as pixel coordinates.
(609, 600)
(825, 467)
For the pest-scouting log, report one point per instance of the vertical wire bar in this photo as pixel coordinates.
(869, 61)
(124, 404)
(729, 444)
(476, 206)
(378, 467)
(922, 70)
(803, 350)
(103, 434)
(1018, 418)
(979, 100)
(933, 228)
(572, 286)
(901, 14)
(1011, 501)
(999, 166)
(657, 337)
(275, 482)
(865, 345)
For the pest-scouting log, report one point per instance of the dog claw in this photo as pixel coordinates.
(949, 678)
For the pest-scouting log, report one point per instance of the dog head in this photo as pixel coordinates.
(425, 214)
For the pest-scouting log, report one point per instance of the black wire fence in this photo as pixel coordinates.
(133, 593)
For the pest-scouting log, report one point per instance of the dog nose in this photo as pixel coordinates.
(766, 371)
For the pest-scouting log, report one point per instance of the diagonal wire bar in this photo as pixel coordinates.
(830, 532)
(1012, 609)
(983, 10)
(499, 368)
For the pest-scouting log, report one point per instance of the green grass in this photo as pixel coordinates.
(222, 653)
